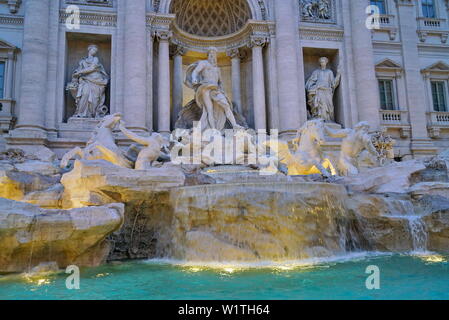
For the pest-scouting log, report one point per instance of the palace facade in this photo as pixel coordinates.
(393, 59)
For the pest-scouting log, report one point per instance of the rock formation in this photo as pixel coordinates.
(30, 235)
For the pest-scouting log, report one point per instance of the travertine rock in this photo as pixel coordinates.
(430, 188)
(15, 185)
(99, 182)
(40, 167)
(49, 198)
(381, 221)
(30, 235)
(267, 221)
(436, 222)
(394, 178)
(40, 153)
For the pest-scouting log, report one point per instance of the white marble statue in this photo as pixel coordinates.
(101, 145)
(205, 78)
(152, 147)
(320, 91)
(355, 141)
(309, 157)
(88, 86)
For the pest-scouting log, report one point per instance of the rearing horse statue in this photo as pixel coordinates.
(308, 158)
(101, 145)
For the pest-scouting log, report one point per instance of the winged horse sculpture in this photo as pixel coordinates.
(308, 158)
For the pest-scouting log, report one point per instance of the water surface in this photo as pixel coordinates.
(402, 277)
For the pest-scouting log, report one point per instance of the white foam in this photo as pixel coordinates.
(286, 264)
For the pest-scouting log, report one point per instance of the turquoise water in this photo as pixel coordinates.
(401, 277)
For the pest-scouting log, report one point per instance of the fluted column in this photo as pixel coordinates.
(33, 92)
(163, 81)
(260, 112)
(135, 71)
(291, 86)
(236, 82)
(178, 80)
(368, 103)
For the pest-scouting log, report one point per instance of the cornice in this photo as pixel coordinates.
(91, 18)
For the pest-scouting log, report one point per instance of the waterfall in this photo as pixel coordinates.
(404, 209)
(418, 233)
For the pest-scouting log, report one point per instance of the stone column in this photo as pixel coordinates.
(291, 86)
(33, 91)
(135, 71)
(421, 143)
(236, 82)
(367, 92)
(9, 75)
(163, 81)
(178, 80)
(260, 112)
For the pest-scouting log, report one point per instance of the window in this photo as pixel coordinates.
(386, 94)
(381, 5)
(428, 8)
(439, 96)
(2, 79)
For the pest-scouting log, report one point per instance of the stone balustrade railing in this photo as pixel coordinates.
(393, 117)
(431, 23)
(438, 119)
(386, 20)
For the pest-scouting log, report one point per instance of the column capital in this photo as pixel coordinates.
(258, 41)
(177, 51)
(233, 53)
(162, 34)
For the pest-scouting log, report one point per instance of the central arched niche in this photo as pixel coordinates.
(210, 18)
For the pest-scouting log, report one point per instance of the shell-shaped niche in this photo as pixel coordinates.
(211, 18)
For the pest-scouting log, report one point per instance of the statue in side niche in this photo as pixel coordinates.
(205, 78)
(320, 91)
(152, 147)
(101, 145)
(88, 86)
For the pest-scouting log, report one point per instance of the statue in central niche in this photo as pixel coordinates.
(205, 78)
(320, 91)
(88, 86)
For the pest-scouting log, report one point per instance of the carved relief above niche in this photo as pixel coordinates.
(317, 11)
(13, 5)
(103, 3)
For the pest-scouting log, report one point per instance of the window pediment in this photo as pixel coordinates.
(389, 67)
(439, 68)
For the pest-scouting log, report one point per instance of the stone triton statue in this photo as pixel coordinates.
(88, 86)
(151, 150)
(320, 91)
(205, 78)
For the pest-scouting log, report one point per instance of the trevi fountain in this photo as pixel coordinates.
(218, 205)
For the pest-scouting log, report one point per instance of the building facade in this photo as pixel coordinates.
(393, 56)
